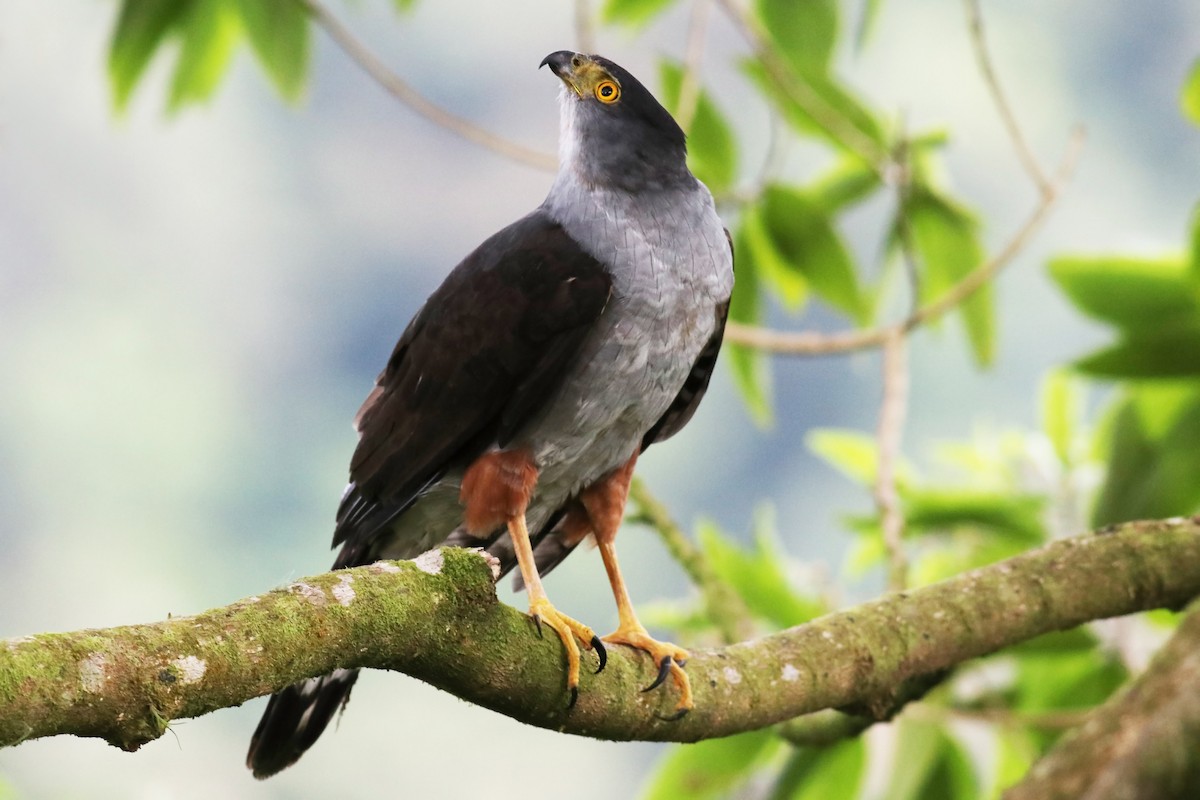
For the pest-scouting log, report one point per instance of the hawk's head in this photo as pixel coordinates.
(613, 130)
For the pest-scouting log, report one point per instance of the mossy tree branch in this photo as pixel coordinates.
(438, 619)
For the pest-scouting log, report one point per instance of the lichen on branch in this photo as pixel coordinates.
(438, 619)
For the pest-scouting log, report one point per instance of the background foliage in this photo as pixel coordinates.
(853, 198)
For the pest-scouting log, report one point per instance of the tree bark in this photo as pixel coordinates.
(438, 619)
(1142, 743)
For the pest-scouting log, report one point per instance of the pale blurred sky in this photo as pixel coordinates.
(192, 307)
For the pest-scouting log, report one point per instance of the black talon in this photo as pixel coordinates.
(664, 669)
(537, 620)
(574, 697)
(601, 653)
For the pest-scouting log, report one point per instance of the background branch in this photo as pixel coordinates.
(1141, 743)
(1000, 100)
(585, 32)
(799, 91)
(689, 86)
(809, 344)
(724, 606)
(400, 89)
(438, 619)
(892, 410)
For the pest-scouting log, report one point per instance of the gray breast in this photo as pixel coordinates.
(671, 267)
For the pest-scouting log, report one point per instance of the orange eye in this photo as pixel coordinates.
(608, 92)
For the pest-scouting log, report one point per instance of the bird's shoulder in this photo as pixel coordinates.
(531, 277)
(485, 350)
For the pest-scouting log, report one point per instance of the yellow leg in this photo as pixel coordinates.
(667, 657)
(543, 612)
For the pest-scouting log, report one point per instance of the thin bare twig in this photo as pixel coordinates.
(892, 411)
(1020, 144)
(726, 609)
(772, 164)
(902, 158)
(811, 344)
(893, 406)
(689, 85)
(585, 34)
(400, 89)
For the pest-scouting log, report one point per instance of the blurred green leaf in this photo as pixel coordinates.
(712, 152)
(1152, 456)
(756, 574)
(847, 183)
(1170, 352)
(866, 23)
(984, 459)
(946, 237)
(1195, 241)
(854, 454)
(931, 765)
(634, 13)
(830, 111)
(926, 163)
(682, 618)
(955, 777)
(1075, 640)
(1161, 406)
(961, 555)
(404, 5)
(210, 30)
(711, 768)
(141, 27)
(1062, 408)
(1015, 753)
(804, 236)
(776, 272)
(751, 369)
(805, 33)
(1189, 99)
(868, 550)
(1007, 513)
(1164, 618)
(925, 145)
(1134, 294)
(1058, 681)
(823, 773)
(279, 32)
(800, 763)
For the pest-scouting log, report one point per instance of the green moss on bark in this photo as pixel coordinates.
(444, 625)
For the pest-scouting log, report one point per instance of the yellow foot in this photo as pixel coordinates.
(568, 631)
(669, 659)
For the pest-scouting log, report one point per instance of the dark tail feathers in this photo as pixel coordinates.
(295, 718)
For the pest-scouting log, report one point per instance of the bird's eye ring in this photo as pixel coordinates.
(608, 92)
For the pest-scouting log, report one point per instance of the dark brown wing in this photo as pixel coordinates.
(478, 360)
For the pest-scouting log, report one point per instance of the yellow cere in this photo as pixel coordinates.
(588, 76)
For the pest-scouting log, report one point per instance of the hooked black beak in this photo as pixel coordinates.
(568, 66)
(560, 62)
